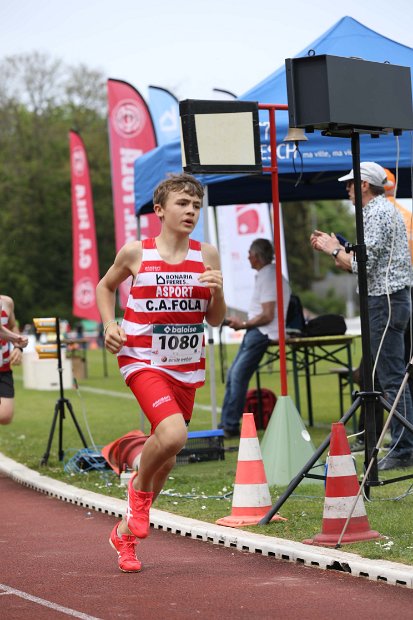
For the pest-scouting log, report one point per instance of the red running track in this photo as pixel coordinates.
(59, 553)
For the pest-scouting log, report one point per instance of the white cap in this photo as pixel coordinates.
(369, 171)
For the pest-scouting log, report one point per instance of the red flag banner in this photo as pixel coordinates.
(85, 258)
(131, 134)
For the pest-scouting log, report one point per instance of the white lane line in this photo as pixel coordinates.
(93, 390)
(115, 394)
(42, 601)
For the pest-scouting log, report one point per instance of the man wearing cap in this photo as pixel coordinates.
(388, 269)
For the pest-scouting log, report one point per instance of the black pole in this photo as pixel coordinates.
(367, 404)
(60, 403)
(368, 397)
(59, 410)
(59, 358)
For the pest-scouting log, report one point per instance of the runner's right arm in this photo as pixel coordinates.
(126, 264)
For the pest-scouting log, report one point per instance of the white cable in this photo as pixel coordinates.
(410, 241)
(377, 447)
(388, 297)
(92, 441)
(388, 271)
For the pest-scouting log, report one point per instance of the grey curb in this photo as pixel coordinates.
(319, 557)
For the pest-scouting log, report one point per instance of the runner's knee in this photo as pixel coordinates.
(171, 435)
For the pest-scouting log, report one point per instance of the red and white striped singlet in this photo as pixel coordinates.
(4, 345)
(164, 317)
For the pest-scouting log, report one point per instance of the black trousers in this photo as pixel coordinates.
(408, 344)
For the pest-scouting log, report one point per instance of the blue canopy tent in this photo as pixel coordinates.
(324, 158)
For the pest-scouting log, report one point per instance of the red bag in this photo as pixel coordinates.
(252, 405)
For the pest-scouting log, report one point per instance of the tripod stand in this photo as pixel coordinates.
(59, 410)
(367, 398)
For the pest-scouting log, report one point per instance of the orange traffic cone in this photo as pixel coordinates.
(341, 489)
(125, 451)
(251, 500)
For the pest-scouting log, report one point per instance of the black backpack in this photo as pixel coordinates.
(295, 321)
(326, 325)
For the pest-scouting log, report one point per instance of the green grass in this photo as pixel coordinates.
(200, 490)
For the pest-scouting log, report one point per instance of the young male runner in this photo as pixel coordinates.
(177, 282)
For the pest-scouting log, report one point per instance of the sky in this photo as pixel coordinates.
(189, 47)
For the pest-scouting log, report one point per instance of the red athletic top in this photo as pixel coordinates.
(4, 345)
(164, 316)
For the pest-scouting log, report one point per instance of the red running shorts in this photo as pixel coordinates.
(161, 396)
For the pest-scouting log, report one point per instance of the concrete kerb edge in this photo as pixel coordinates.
(308, 555)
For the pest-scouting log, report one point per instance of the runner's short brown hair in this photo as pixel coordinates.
(177, 183)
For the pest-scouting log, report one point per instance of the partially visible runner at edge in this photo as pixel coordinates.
(9, 335)
(177, 283)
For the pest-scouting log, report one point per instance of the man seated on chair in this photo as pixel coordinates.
(261, 328)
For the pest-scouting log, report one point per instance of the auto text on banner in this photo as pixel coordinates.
(85, 256)
(131, 134)
(238, 226)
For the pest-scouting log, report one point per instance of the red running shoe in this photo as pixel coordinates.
(126, 550)
(137, 513)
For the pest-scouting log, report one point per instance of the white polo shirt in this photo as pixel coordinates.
(265, 291)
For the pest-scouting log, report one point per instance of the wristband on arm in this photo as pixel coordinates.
(106, 325)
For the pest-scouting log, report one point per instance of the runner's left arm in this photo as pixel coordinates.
(212, 277)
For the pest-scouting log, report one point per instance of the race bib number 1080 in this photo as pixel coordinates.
(173, 345)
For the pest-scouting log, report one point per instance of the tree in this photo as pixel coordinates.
(300, 219)
(40, 101)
